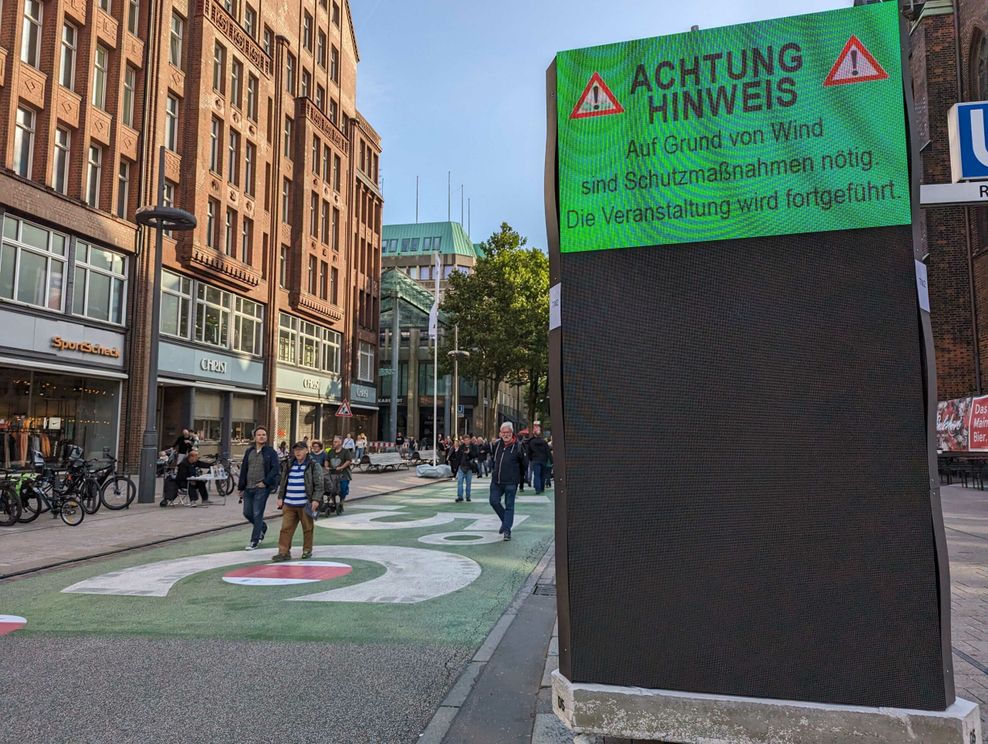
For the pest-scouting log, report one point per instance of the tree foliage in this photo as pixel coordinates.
(502, 311)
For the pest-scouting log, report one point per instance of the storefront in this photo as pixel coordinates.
(363, 404)
(210, 368)
(306, 405)
(62, 310)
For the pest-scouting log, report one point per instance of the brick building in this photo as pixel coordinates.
(269, 307)
(949, 63)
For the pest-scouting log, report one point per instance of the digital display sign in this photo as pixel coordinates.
(794, 125)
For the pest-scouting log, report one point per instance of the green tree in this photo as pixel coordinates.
(502, 310)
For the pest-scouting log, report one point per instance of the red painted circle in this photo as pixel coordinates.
(10, 623)
(294, 572)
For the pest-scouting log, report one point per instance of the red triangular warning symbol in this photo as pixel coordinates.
(596, 100)
(855, 65)
(344, 409)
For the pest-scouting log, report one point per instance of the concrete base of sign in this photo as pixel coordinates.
(693, 718)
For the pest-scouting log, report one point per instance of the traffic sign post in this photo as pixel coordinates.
(753, 188)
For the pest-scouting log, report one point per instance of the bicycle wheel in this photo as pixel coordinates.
(118, 492)
(72, 512)
(224, 487)
(89, 496)
(10, 506)
(31, 504)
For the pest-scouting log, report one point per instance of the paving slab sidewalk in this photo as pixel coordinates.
(47, 541)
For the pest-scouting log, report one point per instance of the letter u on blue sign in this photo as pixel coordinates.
(972, 125)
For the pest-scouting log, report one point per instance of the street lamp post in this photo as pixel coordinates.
(160, 218)
(457, 353)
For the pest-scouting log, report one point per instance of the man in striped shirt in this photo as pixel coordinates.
(298, 497)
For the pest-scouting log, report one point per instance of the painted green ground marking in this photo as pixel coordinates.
(204, 606)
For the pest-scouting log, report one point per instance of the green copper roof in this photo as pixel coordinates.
(425, 237)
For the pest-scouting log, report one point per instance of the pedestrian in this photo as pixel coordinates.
(526, 476)
(399, 440)
(538, 456)
(183, 446)
(298, 498)
(317, 453)
(462, 462)
(283, 452)
(196, 488)
(259, 475)
(510, 465)
(350, 445)
(340, 462)
(361, 447)
(483, 456)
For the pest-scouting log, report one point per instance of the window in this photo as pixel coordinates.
(250, 21)
(94, 176)
(176, 40)
(66, 66)
(334, 112)
(236, 81)
(406, 245)
(130, 94)
(32, 264)
(334, 65)
(229, 244)
(336, 229)
(283, 267)
(365, 362)
(287, 145)
(60, 167)
(252, 98)
(133, 15)
(219, 68)
(336, 14)
(290, 73)
(321, 49)
(105, 5)
(323, 280)
(307, 31)
(312, 274)
(248, 326)
(306, 84)
(212, 207)
(100, 285)
(307, 344)
(267, 41)
(336, 172)
(231, 7)
(100, 65)
(233, 158)
(246, 240)
(24, 142)
(325, 222)
(31, 33)
(171, 123)
(168, 200)
(331, 350)
(334, 283)
(212, 319)
(287, 339)
(321, 98)
(215, 145)
(326, 159)
(286, 201)
(250, 160)
(316, 149)
(176, 304)
(314, 214)
(123, 188)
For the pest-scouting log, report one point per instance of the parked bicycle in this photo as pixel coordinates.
(10, 500)
(45, 492)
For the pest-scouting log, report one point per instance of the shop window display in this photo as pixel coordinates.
(48, 412)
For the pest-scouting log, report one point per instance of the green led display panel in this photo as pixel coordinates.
(794, 125)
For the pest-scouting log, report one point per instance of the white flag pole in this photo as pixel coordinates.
(434, 330)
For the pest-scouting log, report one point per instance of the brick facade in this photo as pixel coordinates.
(244, 68)
(957, 238)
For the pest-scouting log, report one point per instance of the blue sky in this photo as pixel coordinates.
(459, 85)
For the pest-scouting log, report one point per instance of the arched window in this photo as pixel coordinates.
(979, 67)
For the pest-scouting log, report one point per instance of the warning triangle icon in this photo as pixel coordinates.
(344, 409)
(596, 100)
(855, 65)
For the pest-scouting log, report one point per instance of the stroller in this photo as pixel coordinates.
(330, 503)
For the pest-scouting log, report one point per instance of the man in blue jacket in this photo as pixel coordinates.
(510, 467)
(260, 473)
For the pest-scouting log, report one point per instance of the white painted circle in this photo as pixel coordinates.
(450, 538)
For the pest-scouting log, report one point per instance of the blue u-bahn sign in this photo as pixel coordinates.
(968, 141)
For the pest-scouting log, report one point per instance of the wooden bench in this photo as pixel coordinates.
(385, 461)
